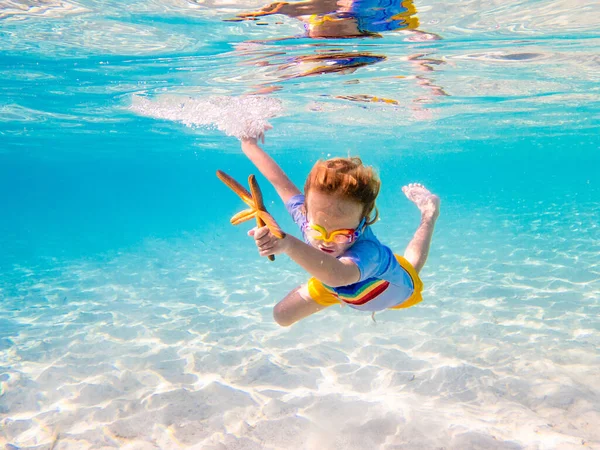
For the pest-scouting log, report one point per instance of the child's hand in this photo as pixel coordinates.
(259, 138)
(266, 242)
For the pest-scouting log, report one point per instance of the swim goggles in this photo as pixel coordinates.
(342, 236)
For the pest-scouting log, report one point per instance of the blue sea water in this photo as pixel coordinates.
(132, 315)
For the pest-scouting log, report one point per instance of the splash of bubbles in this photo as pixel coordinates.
(241, 117)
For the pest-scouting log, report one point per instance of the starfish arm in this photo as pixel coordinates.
(256, 204)
(268, 220)
(256, 193)
(236, 187)
(259, 221)
(243, 216)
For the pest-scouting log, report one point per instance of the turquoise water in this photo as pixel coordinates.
(134, 316)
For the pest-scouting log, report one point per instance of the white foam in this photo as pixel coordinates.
(235, 116)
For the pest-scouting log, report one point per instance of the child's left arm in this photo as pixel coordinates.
(269, 168)
(326, 268)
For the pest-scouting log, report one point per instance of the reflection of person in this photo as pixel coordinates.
(314, 64)
(317, 64)
(345, 18)
(348, 19)
(347, 262)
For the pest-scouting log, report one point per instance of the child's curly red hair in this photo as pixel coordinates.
(348, 178)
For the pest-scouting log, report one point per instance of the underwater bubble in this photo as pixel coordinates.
(241, 117)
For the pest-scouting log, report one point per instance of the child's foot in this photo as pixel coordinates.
(428, 203)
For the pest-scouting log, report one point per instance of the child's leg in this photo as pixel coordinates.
(429, 204)
(295, 306)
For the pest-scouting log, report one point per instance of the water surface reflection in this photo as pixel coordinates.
(325, 20)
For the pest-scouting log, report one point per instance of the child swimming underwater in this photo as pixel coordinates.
(347, 262)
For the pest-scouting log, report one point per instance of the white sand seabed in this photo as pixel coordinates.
(162, 347)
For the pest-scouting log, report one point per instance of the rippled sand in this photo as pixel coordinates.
(172, 345)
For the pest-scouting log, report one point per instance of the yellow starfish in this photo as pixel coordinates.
(255, 201)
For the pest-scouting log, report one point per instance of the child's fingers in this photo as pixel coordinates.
(267, 243)
(261, 136)
(262, 238)
(266, 251)
(266, 246)
(260, 233)
(264, 243)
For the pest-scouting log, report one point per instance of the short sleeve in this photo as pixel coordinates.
(295, 206)
(372, 259)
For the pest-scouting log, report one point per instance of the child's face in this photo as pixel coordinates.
(332, 213)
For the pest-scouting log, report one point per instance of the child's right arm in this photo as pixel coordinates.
(270, 169)
(326, 268)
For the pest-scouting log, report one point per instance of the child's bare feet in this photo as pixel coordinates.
(428, 203)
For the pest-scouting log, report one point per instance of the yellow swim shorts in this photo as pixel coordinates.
(326, 296)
